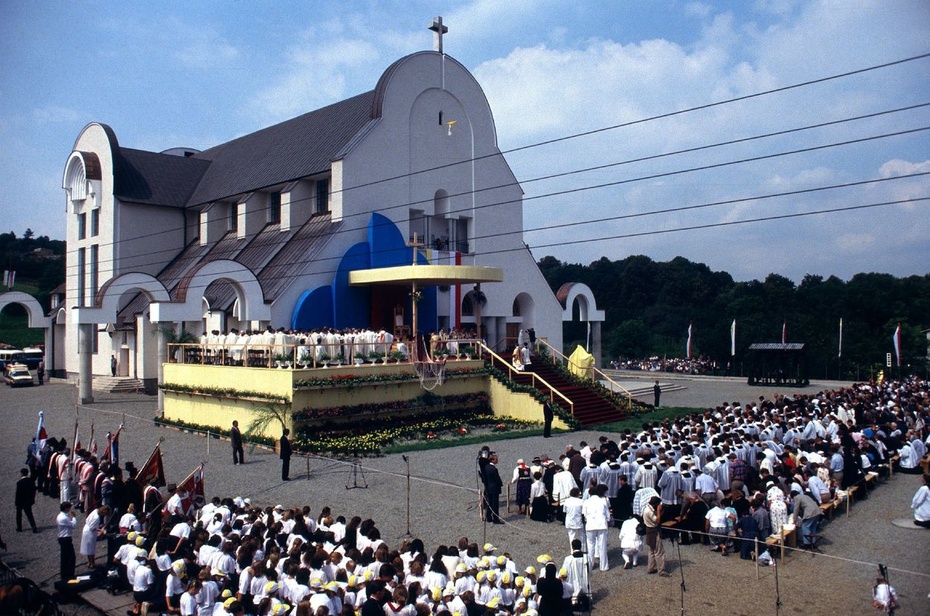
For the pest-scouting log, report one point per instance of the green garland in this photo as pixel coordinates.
(212, 430)
(350, 380)
(220, 392)
(425, 401)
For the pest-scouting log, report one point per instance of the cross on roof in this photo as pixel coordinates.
(438, 30)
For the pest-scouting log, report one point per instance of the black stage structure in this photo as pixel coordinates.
(777, 363)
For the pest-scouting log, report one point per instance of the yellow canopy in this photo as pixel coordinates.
(581, 362)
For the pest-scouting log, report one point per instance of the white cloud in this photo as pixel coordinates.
(55, 113)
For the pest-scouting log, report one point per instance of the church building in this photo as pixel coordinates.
(269, 228)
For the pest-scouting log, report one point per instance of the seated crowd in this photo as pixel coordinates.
(231, 558)
(680, 365)
(736, 471)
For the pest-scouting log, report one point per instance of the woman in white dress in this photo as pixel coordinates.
(94, 529)
(778, 508)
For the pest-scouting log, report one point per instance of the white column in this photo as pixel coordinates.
(596, 343)
(85, 356)
(164, 331)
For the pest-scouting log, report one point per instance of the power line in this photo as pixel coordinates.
(622, 182)
(699, 227)
(561, 174)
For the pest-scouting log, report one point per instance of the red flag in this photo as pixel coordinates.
(191, 490)
(153, 471)
(111, 451)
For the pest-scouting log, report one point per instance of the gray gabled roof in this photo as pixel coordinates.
(296, 148)
(156, 179)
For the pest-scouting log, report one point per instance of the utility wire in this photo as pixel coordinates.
(469, 209)
(679, 172)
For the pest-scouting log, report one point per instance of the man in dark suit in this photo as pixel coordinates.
(547, 419)
(285, 456)
(236, 437)
(25, 499)
(493, 487)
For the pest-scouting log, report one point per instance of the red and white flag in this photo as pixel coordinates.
(689, 341)
(153, 471)
(41, 434)
(191, 490)
(784, 331)
(897, 344)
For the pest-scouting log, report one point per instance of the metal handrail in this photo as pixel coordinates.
(594, 369)
(511, 370)
(257, 355)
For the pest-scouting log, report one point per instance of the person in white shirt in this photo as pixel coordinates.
(143, 583)
(596, 511)
(66, 521)
(921, 504)
(631, 542)
(577, 568)
(574, 521)
(188, 602)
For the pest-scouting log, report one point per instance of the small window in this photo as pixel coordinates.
(233, 217)
(94, 272)
(82, 225)
(322, 197)
(81, 273)
(274, 207)
(95, 222)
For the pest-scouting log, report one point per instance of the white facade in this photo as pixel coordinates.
(421, 149)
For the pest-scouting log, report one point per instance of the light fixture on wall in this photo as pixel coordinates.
(450, 124)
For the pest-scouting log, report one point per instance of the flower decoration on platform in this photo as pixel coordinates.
(462, 431)
(416, 296)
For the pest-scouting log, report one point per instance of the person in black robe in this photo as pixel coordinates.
(549, 589)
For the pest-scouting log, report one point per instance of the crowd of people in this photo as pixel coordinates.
(261, 348)
(730, 475)
(678, 365)
(721, 478)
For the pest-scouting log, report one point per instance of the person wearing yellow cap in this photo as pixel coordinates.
(175, 585)
(143, 582)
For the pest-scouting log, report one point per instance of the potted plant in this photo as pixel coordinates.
(397, 356)
(468, 351)
(282, 360)
(324, 359)
(339, 359)
(375, 356)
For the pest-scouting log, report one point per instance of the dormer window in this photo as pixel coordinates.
(274, 207)
(322, 197)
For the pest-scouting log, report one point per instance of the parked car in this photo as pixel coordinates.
(18, 376)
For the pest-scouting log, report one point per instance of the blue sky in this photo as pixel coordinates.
(195, 74)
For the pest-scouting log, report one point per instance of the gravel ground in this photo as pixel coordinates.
(444, 508)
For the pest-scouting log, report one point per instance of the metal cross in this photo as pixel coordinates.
(438, 30)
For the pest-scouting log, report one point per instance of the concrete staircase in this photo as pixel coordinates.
(118, 384)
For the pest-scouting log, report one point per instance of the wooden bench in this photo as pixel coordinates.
(827, 509)
(894, 460)
(780, 539)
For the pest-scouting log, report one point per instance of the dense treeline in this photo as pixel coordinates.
(39, 263)
(649, 306)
